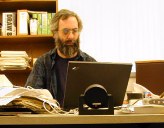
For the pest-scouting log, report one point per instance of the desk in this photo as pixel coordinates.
(86, 121)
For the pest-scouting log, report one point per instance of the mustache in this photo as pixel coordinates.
(68, 41)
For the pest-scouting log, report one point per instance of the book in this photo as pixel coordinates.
(44, 23)
(39, 24)
(22, 22)
(9, 23)
(53, 14)
(49, 17)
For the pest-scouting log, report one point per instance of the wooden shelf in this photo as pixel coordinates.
(26, 39)
(28, 70)
(34, 45)
(26, 36)
(37, 5)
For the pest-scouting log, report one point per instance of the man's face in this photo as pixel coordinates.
(67, 39)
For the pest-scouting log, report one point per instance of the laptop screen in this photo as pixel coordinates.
(113, 77)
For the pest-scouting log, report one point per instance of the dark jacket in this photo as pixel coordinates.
(43, 74)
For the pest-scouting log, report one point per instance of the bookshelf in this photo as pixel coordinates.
(34, 45)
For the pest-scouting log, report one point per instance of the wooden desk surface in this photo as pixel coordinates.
(29, 119)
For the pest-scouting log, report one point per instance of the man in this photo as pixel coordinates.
(49, 71)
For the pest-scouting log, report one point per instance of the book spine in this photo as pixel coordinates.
(22, 22)
(49, 17)
(14, 28)
(39, 23)
(8, 28)
(44, 23)
(52, 14)
(9, 23)
(4, 24)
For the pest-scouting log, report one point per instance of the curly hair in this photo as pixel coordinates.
(64, 14)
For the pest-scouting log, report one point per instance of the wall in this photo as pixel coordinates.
(120, 30)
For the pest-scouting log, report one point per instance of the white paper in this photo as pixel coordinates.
(4, 81)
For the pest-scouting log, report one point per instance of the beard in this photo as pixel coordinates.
(65, 49)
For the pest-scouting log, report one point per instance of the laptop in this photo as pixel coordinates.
(113, 77)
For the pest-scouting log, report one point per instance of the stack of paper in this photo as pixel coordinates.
(14, 60)
(36, 100)
(14, 53)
